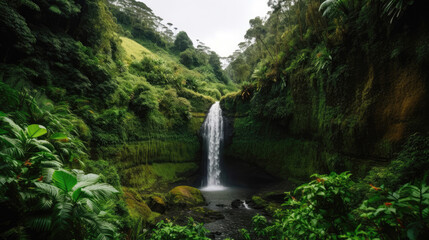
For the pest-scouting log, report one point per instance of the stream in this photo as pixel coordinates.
(235, 218)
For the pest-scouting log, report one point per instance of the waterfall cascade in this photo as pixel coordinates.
(213, 138)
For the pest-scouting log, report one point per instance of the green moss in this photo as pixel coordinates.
(152, 217)
(199, 102)
(259, 201)
(185, 196)
(196, 122)
(137, 207)
(157, 176)
(173, 171)
(267, 147)
(176, 149)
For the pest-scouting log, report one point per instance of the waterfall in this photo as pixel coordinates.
(212, 139)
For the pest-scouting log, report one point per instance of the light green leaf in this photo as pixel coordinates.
(59, 136)
(64, 180)
(36, 130)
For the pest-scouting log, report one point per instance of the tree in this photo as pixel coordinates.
(214, 61)
(257, 31)
(182, 42)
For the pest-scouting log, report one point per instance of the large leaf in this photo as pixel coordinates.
(64, 180)
(36, 130)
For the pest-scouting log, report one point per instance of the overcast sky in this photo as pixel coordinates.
(220, 24)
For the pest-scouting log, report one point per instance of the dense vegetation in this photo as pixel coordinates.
(102, 104)
(332, 85)
(82, 80)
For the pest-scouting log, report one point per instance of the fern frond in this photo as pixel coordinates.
(48, 189)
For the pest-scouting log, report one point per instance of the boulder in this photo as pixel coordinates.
(185, 196)
(237, 203)
(157, 204)
(137, 207)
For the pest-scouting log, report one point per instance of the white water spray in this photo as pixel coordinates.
(245, 205)
(213, 137)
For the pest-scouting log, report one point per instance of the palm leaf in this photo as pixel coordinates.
(100, 191)
(41, 224)
(49, 189)
(14, 127)
(85, 180)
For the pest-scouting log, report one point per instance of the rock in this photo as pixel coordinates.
(138, 208)
(157, 204)
(203, 214)
(276, 197)
(257, 203)
(185, 196)
(237, 203)
(220, 205)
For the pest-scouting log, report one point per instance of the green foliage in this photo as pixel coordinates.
(331, 207)
(143, 100)
(167, 231)
(404, 213)
(395, 8)
(76, 198)
(199, 102)
(176, 109)
(322, 211)
(335, 8)
(191, 58)
(154, 71)
(35, 131)
(411, 163)
(182, 42)
(15, 30)
(46, 199)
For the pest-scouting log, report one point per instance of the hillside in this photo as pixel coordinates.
(128, 112)
(115, 125)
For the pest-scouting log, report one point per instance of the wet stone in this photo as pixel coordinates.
(237, 203)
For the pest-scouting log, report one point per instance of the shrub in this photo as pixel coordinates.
(191, 58)
(170, 231)
(143, 100)
(176, 109)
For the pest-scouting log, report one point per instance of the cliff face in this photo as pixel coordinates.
(359, 120)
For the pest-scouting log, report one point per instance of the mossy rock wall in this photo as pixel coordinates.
(355, 122)
(159, 161)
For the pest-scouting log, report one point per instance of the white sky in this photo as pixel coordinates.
(220, 24)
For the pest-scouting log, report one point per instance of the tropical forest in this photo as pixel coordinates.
(116, 124)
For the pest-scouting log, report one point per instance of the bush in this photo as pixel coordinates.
(176, 109)
(191, 58)
(411, 163)
(143, 100)
(170, 231)
(155, 72)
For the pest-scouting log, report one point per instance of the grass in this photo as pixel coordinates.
(134, 51)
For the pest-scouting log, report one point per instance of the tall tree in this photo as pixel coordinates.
(258, 32)
(182, 42)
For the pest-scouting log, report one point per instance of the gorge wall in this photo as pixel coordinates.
(358, 121)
